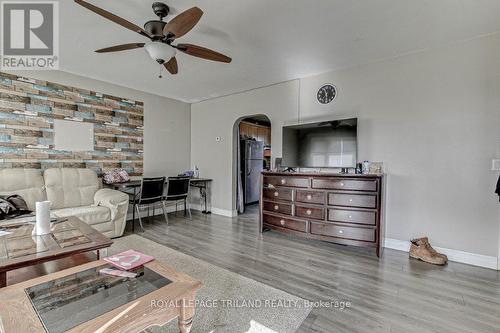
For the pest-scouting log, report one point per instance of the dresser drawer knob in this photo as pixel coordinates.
(276, 194)
(350, 217)
(341, 231)
(309, 197)
(308, 212)
(350, 200)
(283, 181)
(282, 222)
(276, 207)
(341, 184)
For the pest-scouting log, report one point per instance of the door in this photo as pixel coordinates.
(253, 170)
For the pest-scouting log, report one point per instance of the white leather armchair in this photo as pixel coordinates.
(117, 202)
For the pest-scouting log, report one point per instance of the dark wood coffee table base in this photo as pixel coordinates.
(3, 279)
(31, 272)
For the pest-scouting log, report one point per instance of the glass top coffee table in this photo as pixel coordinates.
(81, 299)
(88, 294)
(18, 248)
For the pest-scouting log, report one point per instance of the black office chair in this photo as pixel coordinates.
(178, 191)
(150, 195)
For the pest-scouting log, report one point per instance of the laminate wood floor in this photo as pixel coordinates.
(393, 294)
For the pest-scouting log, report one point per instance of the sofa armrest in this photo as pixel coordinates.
(117, 202)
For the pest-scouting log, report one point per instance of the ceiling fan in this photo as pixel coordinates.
(161, 35)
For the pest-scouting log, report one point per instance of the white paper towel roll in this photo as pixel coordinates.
(40, 245)
(42, 226)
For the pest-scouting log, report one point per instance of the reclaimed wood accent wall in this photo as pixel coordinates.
(27, 112)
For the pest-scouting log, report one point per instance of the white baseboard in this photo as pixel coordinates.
(397, 244)
(215, 210)
(224, 212)
(453, 255)
(197, 207)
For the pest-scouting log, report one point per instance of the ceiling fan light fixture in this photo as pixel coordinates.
(160, 52)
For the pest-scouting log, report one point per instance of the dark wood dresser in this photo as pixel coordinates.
(343, 209)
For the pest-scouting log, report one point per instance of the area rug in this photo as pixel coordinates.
(244, 305)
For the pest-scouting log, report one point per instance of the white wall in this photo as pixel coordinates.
(166, 121)
(433, 118)
(216, 118)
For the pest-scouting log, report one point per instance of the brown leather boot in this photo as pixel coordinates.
(422, 250)
(426, 240)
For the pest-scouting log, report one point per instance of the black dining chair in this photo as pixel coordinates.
(178, 192)
(151, 195)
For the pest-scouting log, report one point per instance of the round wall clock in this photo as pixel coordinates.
(326, 94)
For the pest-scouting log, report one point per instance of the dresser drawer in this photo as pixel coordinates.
(352, 200)
(278, 207)
(352, 216)
(317, 213)
(345, 184)
(287, 181)
(312, 197)
(285, 222)
(327, 229)
(278, 194)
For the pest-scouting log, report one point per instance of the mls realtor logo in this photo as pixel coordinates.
(30, 35)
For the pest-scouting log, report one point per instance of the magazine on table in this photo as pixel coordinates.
(129, 259)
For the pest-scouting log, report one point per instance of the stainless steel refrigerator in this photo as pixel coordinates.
(252, 164)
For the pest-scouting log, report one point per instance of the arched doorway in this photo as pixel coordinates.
(252, 154)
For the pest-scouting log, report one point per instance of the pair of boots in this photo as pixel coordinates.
(422, 250)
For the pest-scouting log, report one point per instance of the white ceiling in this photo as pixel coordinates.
(270, 41)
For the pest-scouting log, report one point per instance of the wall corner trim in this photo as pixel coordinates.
(453, 255)
(224, 212)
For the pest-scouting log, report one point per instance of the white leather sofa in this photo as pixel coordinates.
(72, 192)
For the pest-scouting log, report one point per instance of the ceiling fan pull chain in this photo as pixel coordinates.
(161, 69)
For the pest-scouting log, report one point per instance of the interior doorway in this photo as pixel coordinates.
(253, 155)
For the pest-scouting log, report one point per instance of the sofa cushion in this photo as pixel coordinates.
(89, 214)
(28, 183)
(68, 188)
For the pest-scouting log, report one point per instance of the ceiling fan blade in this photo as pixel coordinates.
(183, 23)
(114, 18)
(202, 52)
(172, 66)
(122, 47)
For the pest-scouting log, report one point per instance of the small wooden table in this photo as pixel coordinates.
(69, 237)
(80, 299)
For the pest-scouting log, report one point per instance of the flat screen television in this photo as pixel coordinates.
(327, 144)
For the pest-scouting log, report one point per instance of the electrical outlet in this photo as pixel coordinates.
(495, 165)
